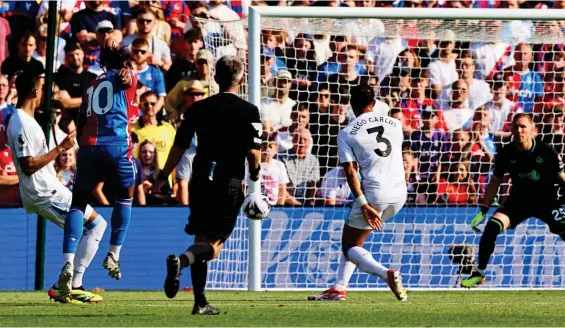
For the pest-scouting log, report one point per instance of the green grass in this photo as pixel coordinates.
(464, 308)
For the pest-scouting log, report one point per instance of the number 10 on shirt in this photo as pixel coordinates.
(94, 95)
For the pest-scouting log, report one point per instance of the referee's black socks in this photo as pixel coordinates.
(488, 241)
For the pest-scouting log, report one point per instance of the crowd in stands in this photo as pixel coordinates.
(455, 99)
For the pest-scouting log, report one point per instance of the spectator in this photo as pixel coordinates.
(267, 77)
(72, 77)
(303, 169)
(381, 55)
(300, 118)
(483, 155)
(459, 115)
(185, 65)
(553, 130)
(161, 54)
(479, 91)
(218, 9)
(443, 71)
(104, 30)
(301, 63)
(4, 34)
(458, 188)
(21, 17)
(176, 14)
(65, 11)
(553, 66)
(428, 144)
(275, 112)
(491, 58)
(161, 29)
(66, 166)
(23, 60)
(274, 177)
(84, 23)
(40, 52)
(348, 75)
(6, 107)
(149, 158)
(501, 110)
(526, 86)
(334, 189)
(9, 182)
(175, 103)
(411, 175)
(150, 76)
(195, 92)
(426, 50)
(342, 55)
(161, 134)
(327, 129)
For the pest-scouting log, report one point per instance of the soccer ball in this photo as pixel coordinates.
(256, 206)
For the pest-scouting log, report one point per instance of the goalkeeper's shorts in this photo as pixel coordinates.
(549, 211)
(387, 211)
(214, 207)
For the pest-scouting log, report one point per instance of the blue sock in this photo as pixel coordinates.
(74, 226)
(121, 216)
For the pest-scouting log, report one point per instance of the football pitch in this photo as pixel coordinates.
(120, 308)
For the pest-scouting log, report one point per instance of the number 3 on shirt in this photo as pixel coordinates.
(94, 98)
(379, 130)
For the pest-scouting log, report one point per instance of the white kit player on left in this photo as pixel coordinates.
(42, 192)
(371, 145)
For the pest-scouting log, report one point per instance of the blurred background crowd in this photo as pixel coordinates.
(455, 99)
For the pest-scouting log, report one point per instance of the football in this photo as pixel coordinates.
(256, 206)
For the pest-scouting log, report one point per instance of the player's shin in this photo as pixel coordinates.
(344, 273)
(74, 224)
(87, 248)
(121, 217)
(488, 242)
(366, 263)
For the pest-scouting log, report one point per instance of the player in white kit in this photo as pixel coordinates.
(371, 145)
(42, 193)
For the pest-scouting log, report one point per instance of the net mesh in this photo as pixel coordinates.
(472, 75)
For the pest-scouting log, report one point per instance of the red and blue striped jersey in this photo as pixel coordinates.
(107, 110)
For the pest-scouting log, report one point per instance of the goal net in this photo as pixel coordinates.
(455, 85)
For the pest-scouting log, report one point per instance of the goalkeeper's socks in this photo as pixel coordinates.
(488, 241)
(344, 273)
(121, 217)
(88, 247)
(366, 263)
(198, 252)
(74, 225)
(199, 274)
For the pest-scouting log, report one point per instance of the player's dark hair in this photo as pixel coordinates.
(114, 57)
(72, 46)
(139, 42)
(362, 96)
(26, 83)
(229, 71)
(26, 36)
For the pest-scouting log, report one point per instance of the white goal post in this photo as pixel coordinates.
(318, 18)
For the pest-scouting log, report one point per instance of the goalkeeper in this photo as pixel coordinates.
(534, 168)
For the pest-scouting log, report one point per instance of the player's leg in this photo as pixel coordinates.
(499, 222)
(123, 173)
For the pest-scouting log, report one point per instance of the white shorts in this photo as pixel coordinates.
(57, 213)
(387, 210)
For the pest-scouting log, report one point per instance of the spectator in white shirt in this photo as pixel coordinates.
(334, 188)
(443, 71)
(491, 57)
(479, 90)
(459, 115)
(381, 55)
(161, 54)
(275, 112)
(501, 110)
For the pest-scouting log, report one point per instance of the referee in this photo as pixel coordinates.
(229, 130)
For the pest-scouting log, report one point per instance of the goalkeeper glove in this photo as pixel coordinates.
(479, 218)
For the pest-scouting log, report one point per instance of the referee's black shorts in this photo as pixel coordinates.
(549, 211)
(214, 207)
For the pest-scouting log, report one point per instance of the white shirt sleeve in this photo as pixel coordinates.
(435, 73)
(22, 139)
(345, 152)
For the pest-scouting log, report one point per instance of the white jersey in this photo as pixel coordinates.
(26, 138)
(375, 142)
